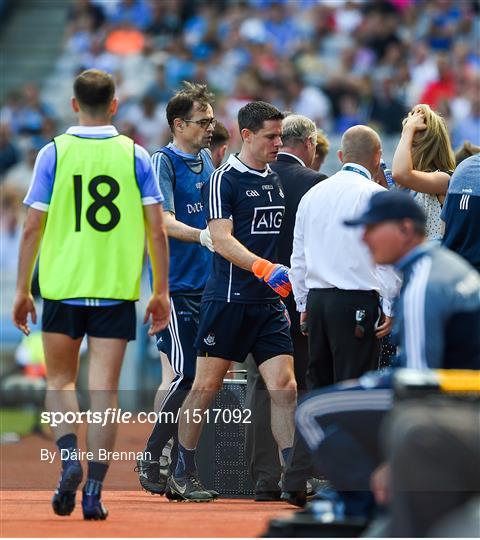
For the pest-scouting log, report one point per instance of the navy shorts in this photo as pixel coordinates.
(112, 322)
(232, 330)
(177, 341)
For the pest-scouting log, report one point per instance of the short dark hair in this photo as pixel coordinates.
(94, 91)
(220, 136)
(468, 149)
(181, 104)
(254, 114)
(419, 227)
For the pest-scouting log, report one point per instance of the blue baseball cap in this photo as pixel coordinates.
(389, 206)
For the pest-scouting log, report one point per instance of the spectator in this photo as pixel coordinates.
(219, 144)
(10, 231)
(124, 40)
(309, 100)
(422, 69)
(424, 162)
(166, 21)
(468, 149)
(349, 113)
(158, 90)
(87, 8)
(133, 12)
(468, 129)
(150, 122)
(443, 88)
(387, 109)
(321, 150)
(98, 58)
(81, 35)
(32, 111)
(9, 153)
(20, 175)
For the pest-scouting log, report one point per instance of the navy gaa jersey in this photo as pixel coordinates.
(254, 201)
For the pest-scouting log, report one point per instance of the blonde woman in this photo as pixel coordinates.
(423, 162)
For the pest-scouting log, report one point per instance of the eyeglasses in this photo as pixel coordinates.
(204, 123)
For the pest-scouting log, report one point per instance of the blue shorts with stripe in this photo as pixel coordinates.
(177, 341)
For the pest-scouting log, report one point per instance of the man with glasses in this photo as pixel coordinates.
(182, 167)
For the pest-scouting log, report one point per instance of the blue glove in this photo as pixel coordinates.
(274, 275)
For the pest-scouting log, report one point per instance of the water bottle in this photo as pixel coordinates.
(388, 174)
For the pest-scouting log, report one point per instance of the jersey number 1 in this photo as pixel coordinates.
(99, 201)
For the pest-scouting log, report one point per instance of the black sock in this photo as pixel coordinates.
(286, 454)
(97, 471)
(67, 444)
(186, 461)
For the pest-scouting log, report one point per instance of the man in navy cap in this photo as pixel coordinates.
(437, 322)
(437, 326)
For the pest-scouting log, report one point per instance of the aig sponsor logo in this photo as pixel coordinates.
(194, 208)
(267, 219)
(252, 193)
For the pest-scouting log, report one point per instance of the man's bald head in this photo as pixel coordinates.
(362, 145)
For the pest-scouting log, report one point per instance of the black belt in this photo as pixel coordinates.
(347, 291)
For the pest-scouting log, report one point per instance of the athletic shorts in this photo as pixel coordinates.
(231, 330)
(114, 322)
(177, 341)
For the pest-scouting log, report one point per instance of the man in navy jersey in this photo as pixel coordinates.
(182, 167)
(241, 310)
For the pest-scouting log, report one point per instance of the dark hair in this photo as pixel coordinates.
(220, 136)
(468, 149)
(181, 104)
(94, 90)
(254, 114)
(419, 226)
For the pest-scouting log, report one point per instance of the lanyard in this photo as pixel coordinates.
(355, 169)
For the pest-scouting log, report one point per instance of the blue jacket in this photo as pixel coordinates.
(437, 321)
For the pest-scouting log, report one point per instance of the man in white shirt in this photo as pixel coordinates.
(343, 297)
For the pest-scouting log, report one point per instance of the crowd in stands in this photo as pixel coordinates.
(339, 62)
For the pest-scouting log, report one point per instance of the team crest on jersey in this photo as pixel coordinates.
(267, 220)
(210, 339)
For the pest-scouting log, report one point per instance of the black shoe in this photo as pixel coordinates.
(174, 497)
(266, 491)
(91, 501)
(63, 500)
(314, 485)
(296, 498)
(151, 478)
(188, 488)
(267, 496)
